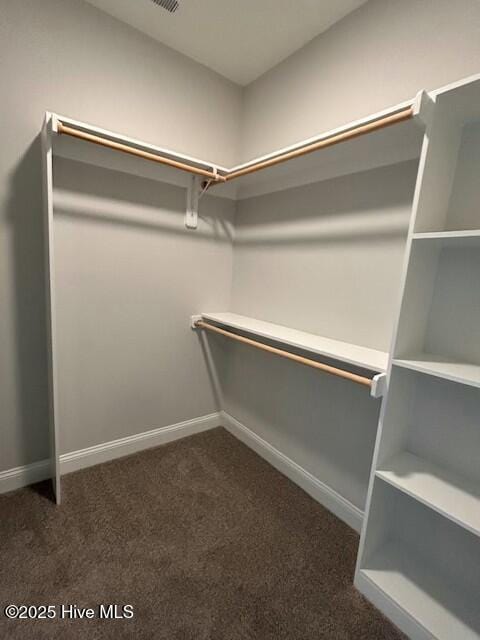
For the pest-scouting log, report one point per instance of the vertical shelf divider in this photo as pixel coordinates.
(47, 169)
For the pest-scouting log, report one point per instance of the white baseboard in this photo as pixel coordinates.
(326, 496)
(21, 476)
(18, 477)
(28, 474)
(131, 444)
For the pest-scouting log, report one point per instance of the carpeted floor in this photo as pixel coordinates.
(201, 536)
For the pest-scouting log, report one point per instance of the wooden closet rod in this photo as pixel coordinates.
(381, 123)
(215, 178)
(341, 373)
(118, 146)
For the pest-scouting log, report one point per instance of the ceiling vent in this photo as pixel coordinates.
(169, 5)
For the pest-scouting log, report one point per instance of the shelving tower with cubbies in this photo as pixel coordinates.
(419, 559)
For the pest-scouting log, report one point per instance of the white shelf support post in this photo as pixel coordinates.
(49, 126)
(379, 385)
(193, 196)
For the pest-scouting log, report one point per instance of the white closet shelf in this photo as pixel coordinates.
(442, 367)
(352, 354)
(396, 143)
(133, 142)
(463, 238)
(445, 492)
(444, 608)
(72, 148)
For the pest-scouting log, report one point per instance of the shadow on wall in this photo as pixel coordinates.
(368, 206)
(101, 201)
(323, 423)
(24, 212)
(215, 356)
(104, 196)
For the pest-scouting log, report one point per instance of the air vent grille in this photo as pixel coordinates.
(169, 5)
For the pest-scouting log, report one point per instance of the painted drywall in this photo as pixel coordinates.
(380, 55)
(66, 56)
(325, 258)
(128, 276)
(325, 425)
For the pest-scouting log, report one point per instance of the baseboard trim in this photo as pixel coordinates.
(322, 493)
(28, 474)
(132, 444)
(19, 477)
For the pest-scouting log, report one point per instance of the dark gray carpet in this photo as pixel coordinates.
(201, 536)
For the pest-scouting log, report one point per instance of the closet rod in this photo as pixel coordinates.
(375, 125)
(341, 373)
(118, 146)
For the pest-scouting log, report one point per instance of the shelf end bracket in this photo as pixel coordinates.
(193, 321)
(379, 385)
(423, 108)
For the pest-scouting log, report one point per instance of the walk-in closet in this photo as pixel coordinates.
(241, 309)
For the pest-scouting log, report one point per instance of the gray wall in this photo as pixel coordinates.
(128, 278)
(66, 56)
(326, 425)
(325, 258)
(380, 55)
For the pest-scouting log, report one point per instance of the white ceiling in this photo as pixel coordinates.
(241, 39)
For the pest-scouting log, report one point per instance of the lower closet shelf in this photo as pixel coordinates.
(352, 354)
(445, 609)
(454, 497)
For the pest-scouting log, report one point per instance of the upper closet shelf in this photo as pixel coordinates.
(84, 150)
(352, 354)
(397, 142)
(383, 138)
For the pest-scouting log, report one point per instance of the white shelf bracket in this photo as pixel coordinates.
(54, 121)
(423, 108)
(379, 383)
(193, 321)
(193, 196)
